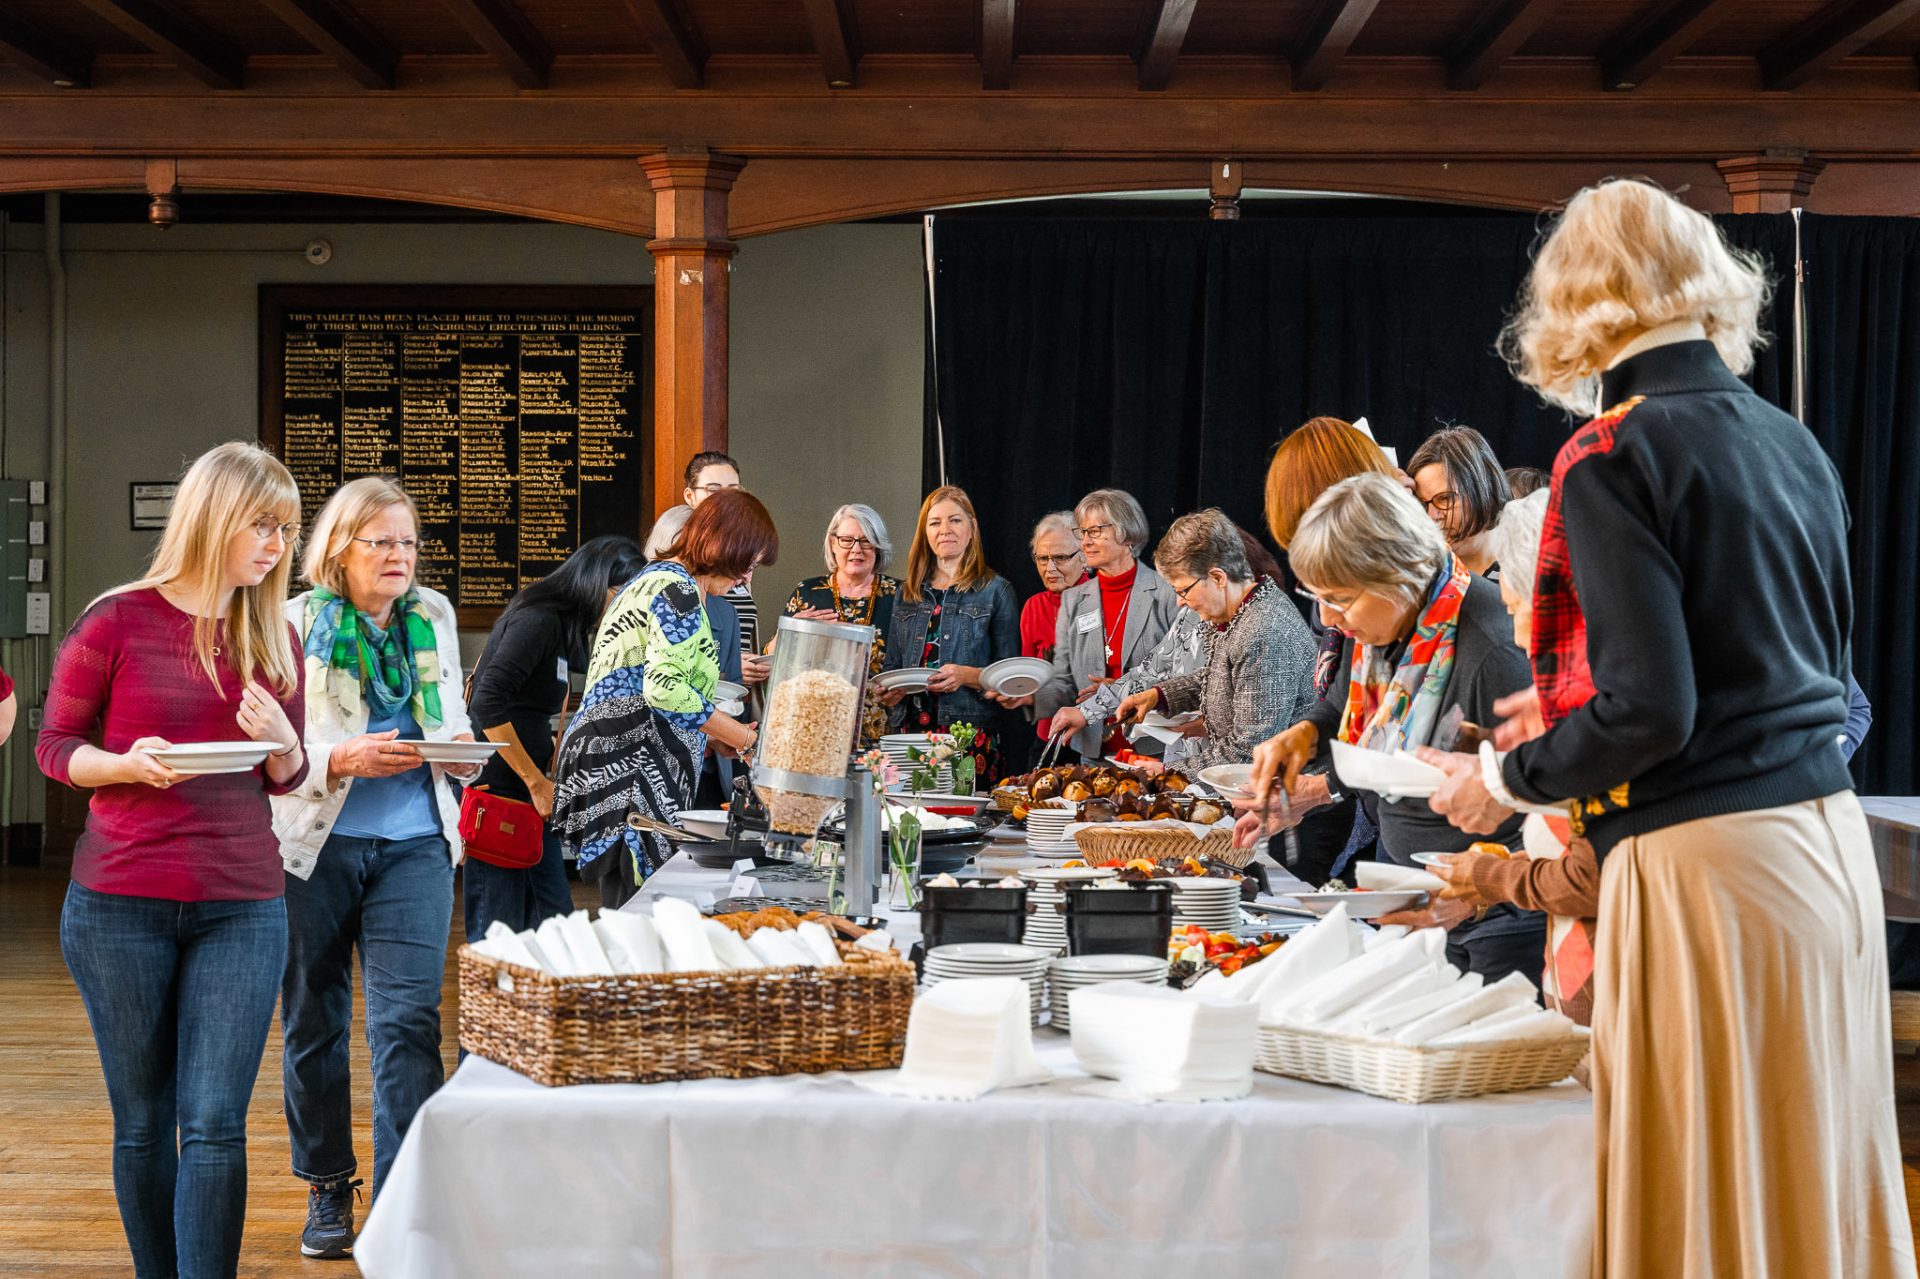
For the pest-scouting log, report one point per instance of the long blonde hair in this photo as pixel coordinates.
(921, 561)
(223, 492)
(1626, 257)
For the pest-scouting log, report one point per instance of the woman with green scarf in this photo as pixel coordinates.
(369, 842)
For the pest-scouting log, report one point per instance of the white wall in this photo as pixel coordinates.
(163, 349)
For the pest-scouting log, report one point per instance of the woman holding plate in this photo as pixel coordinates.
(855, 589)
(175, 928)
(369, 841)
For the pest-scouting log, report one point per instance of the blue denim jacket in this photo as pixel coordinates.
(978, 628)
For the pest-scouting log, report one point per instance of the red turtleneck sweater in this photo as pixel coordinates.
(1115, 592)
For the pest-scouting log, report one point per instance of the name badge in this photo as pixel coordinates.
(1087, 622)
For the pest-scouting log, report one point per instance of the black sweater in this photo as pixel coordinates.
(1708, 548)
(519, 680)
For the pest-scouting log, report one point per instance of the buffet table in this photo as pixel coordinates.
(813, 1175)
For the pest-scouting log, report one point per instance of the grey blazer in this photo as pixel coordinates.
(1080, 647)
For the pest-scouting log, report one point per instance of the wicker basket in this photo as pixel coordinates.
(1405, 1072)
(647, 1029)
(1108, 842)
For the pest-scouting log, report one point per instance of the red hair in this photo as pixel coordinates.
(728, 535)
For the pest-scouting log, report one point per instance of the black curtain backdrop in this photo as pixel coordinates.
(1168, 358)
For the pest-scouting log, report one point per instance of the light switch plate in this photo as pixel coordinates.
(36, 532)
(39, 613)
(36, 570)
(36, 492)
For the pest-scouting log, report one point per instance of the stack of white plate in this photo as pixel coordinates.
(1046, 830)
(1064, 976)
(896, 745)
(1046, 891)
(1214, 904)
(990, 959)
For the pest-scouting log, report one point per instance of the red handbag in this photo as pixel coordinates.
(500, 831)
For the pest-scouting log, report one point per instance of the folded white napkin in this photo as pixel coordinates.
(1308, 955)
(1421, 981)
(1165, 1044)
(778, 948)
(1391, 878)
(1381, 1020)
(1508, 991)
(819, 943)
(966, 1037)
(879, 940)
(682, 937)
(1383, 935)
(531, 941)
(583, 945)
(732, 952)
(1358, 978)
(631, 942)
(555, 954)
(503, 943)
(1518, 1022)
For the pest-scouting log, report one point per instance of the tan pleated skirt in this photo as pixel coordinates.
(1742, 1066)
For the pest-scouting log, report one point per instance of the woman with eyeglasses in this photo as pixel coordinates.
(1423, 637)
(1056, 558)
(958, 616)
(1110, 623)
(174, 927)
(370, 841)
(855, 589)
(1459, 481)
(647, 715)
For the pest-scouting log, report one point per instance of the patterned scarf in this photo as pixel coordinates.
(1394, 707)
(350, 662)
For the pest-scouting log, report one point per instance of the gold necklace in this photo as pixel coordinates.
(839, 606)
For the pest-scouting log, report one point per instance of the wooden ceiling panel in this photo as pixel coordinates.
(1399, 29)
(585, 26)
(419, 27)
(243, 26)
(1903, 42)
(1579, 28)
(1246, 27)
(72, 25)
(757, 26)
(1758, 25)
(918, 26)
(1099, 27)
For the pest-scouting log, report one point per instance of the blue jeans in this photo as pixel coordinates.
(180, 997)
(520, 899)
(393, 901)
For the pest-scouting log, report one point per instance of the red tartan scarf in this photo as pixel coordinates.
(1560, 670)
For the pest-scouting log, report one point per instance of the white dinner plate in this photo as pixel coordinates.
(1432, 859)
(207, 759)
(1105, 965)
(708, 823)
(1016, 676)
(1394, 775)
(1234, 781)
(728, 691)
(1361, 905)
(912, 679)
(456, 752)
(1003, 952)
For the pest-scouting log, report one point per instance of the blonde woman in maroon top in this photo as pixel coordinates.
(174, 928)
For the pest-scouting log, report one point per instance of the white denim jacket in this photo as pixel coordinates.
(303, 818)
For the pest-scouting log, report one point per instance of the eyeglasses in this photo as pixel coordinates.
(381, 545)
(711, 489)
(264, 528)
(852, 543)
(1055, 561)
(1442, 503)
(1323, 602)
(1092, 532)
(1180, 592)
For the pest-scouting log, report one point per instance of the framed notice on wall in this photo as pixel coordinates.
(151, 503)
(518, 418)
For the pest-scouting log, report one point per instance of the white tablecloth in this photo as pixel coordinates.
(812, 1175)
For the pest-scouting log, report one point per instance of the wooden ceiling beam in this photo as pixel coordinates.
(1836, 32)
(191, 47)
(1163, 30)
(1332, 32)
(1493, 37)
(996, 43)
(336, 33)
(674, 40)
(44, 55)
(836, 37)
(1661, 37)
(502, 30)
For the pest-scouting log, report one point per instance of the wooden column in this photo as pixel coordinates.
(691, 258)
(1774, 181)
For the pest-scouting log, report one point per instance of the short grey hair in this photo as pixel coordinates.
(1201, 542)
(1515, 542)
(661, 537)
(1119, 506)
(1368, 533)
(1058, 521)
(870, 524)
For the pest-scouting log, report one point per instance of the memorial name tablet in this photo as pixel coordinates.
(515, 417)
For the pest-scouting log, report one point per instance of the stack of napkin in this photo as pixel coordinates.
(1160, 1044)
(966, 1037)
(1395, 986)
(677, 939)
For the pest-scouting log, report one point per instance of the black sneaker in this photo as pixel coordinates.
(329, 1232)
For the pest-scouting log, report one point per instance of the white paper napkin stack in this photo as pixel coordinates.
(1160, 1044)
(965, 1038)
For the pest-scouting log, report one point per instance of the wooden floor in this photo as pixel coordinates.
(57, 1214)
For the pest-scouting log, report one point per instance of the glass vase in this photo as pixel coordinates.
(963, 775)
(903, 872)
